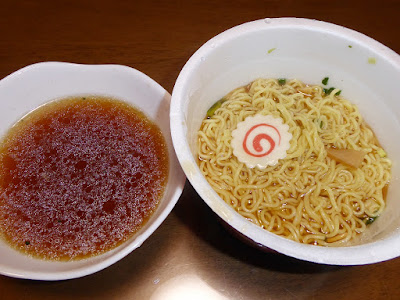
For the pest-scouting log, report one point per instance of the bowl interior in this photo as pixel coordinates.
(367, 73)
(32, 86)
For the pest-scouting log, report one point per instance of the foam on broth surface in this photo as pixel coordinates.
(79, 176)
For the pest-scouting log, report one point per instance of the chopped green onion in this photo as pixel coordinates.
(319, 123)
(369, 220)
(282, 81)
(271, 50)
(325, 81)
(330, 90)
(350, 46)
(214, 107)
(372, 60)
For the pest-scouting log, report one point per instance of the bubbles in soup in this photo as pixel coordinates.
(79, 176)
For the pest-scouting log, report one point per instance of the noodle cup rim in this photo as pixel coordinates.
(377, 251)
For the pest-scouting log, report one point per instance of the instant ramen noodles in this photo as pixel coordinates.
(329, 184)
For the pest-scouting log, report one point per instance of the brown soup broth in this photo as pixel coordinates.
(79, 176)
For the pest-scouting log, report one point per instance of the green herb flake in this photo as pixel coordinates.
(372, 60)
(325, 81)
(27, 243)
(319, 123)
(328, 91)
(350, 46)
(282, 81)
(369, 220)
(271, 50)
(214, 107)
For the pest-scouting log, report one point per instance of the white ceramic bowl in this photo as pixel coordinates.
(368, 74)
(28, 88)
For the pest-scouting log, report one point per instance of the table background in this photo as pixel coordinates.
(191, 255)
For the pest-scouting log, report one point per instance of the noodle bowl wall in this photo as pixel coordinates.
(247, 72)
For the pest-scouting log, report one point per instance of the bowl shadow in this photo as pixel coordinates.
(207, 226)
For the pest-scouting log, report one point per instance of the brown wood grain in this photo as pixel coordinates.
(191, 247)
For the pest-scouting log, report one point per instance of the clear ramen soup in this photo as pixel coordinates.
(79, 176)
(330, 184)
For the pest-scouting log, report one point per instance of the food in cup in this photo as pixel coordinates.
(325, 189)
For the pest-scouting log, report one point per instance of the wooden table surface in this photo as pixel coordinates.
(190, 256)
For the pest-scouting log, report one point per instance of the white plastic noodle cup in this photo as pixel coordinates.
(34, 85)
(367, 72)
